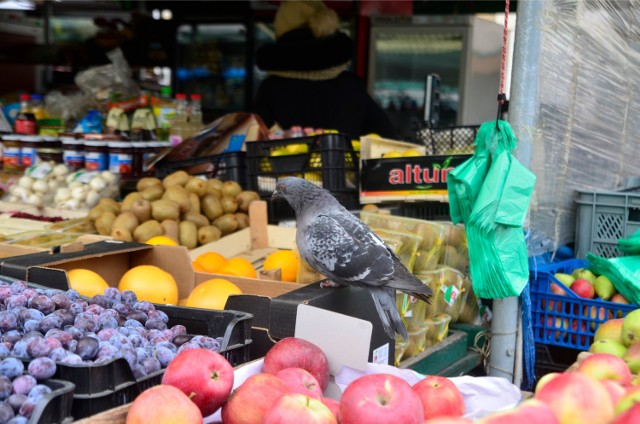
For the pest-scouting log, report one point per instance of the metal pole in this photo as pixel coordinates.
(522, 111)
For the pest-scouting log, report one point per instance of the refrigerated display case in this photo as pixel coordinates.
(464, 51)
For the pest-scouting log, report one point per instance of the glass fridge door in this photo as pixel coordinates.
(402, 58)
(212, 62)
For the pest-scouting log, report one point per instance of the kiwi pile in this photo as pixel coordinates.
(190, 210)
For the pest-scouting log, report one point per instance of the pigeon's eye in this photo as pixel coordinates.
(281, 187)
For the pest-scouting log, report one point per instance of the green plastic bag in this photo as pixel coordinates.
(490, 193)
(631, 244)
(624, 273)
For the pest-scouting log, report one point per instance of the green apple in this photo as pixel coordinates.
(604, 287)
(608, 346)
(586, 274)
(565, 279)
(631, 328)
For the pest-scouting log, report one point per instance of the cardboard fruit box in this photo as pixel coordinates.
(403, 178)
(272, 304)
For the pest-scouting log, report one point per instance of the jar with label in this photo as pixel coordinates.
(96, 155)
(11, 152)
(29, 150)
(121, 157)
(73, 153)
(139, 150)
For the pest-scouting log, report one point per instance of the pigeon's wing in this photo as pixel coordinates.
(347, 251)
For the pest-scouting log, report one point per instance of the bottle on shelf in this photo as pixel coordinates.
(37, 106)
(164, 111)
(195, 114)
(179, 126)
(25, 122)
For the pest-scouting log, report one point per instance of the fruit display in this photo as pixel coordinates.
(189, 210)
(586, 284)
(56, 185)
(288, 387)
(46, 325)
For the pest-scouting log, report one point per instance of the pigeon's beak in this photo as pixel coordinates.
(277, 194)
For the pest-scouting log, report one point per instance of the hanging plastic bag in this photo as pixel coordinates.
(624, 273)
(631, 244)
(491, 195)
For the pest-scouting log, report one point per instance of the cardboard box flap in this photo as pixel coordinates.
(18, 266)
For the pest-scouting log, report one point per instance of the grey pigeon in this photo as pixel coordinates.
(342, 248)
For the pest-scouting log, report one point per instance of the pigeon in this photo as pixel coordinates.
(346, 251)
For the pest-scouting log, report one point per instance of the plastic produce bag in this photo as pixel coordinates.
(490, 193)
(624, 273)
(631, 244)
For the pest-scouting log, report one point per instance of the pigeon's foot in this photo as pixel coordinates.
(329, 283)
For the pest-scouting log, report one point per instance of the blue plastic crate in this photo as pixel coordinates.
(565, 319)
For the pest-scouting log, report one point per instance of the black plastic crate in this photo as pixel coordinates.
(328, 160)
(229, 166)
(88, 405)
(441, 141)
(553, 359)
(279, 209)
(430, 211)
(54, 408)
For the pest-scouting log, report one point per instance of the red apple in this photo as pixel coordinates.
(203, 375)
(545, 379)
(530, 411)
(448, 420)
(577, 398)
(618, 298)
(163, 404)
(556, 289)
(300, 381)
(583, 288)
(439, 397)
(249, 403)
(605, 366)
(630, 416)
(380, 399)
(615, 390)
(299, 409)
(295, 352)
(332, 404)
(611, 329)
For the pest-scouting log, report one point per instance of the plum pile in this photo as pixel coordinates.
(53, 326)
(20, 392)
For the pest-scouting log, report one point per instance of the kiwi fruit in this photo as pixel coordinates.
(208, 234)
(245, 198)
(227, 223)
(146, 182)
(95, 212)
(104, 223)
(198, 219)
(243, 220)
(141, 208)
(165, 209)
(196, 185)
(188, 234)
(231, 188)
(128, 201)
(229, 204)
(194, 201)
(152, 193)
(126, 220)
(214, 184)
(178, 194)
(108, 204)
(171, 229)
(211, 206)
(176, 178)
(147, 230)
(121, 234)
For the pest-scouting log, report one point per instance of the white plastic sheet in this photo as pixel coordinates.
(585, 127)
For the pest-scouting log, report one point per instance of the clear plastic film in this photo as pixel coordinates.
(575, 100)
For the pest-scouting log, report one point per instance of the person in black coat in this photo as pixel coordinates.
(308, 83)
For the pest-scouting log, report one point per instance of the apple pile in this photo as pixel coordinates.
(586, 284)
(289, 389)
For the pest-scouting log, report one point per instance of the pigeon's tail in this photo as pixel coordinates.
(413, 286)
(385, 300)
